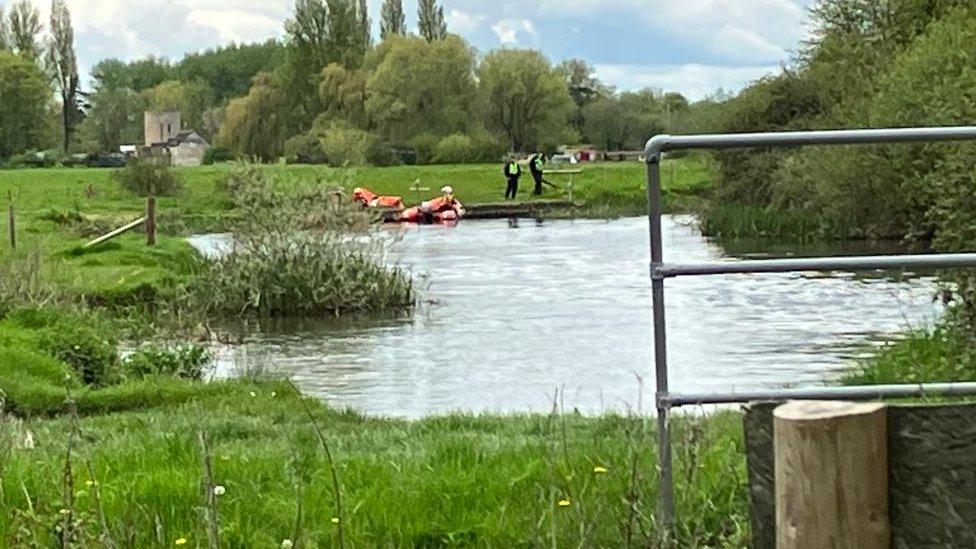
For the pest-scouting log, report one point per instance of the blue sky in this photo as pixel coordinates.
(691, 46)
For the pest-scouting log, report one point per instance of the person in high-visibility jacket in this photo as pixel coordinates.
(513, 172)
(536, 167)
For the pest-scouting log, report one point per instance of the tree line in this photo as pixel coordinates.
(327, 92)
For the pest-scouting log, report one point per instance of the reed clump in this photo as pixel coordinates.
(299, 250)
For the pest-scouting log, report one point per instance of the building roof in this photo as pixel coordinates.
(186, 136)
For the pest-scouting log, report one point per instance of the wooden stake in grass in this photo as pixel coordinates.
(831, 463)
(151, 221)
(12, 227)
(211, 518)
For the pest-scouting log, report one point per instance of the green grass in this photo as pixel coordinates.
(736, 221)
(943, 354)
(447, 481)
(457, 480)
(126, 272)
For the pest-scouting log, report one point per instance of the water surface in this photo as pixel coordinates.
(521, 311)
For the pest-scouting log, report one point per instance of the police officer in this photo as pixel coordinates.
(513, 172)
(536, 166)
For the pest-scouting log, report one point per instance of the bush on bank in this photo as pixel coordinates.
(307, 250)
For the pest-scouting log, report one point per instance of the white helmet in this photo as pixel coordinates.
(447, 190)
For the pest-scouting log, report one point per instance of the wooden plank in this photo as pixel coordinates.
(116, 233)
(831, 466)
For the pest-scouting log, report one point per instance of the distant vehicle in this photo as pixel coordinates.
(558, 159)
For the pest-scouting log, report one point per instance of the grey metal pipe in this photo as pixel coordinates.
(666, 484)
(820, 264)
(863, 392)
(660, 143)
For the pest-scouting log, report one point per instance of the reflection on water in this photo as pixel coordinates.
(520, 311)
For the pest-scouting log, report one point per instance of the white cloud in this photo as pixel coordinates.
(695, 81)
(461, 22)
(511, 32)
(235, 25)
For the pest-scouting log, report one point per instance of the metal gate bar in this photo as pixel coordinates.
(660, 271)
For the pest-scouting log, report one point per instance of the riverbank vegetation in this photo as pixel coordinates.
(907, 64)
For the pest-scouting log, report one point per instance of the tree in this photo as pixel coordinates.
(431, 21)
(257, 125)
(3, 30)
(25, 27)
(607, 124)
(583, 87)
(229, 70)
(61, 59)
(26, 99)
(527, 98)
(114, 118)
(190, 98)
(392, 20)
(365, 25)
(422, 87)
(343, 95)
(321, 32)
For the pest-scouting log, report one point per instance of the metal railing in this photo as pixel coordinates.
(661, 271)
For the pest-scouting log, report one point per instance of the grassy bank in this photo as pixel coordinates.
(92, 193)
(126, 468)
(57, 210)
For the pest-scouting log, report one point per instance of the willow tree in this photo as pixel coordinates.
(431, 21)
(527, 99)
(64, 65)
(392, 19)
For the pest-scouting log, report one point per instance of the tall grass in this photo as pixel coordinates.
(299, 250)
(732, 220)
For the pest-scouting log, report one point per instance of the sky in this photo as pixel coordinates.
(690, 46)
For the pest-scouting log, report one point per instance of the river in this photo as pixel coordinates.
(517, 312)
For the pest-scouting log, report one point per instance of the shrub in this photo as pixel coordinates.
(345, 145)
(304, 148)
(181, 361)
(456, 149)
(150, 177)
(425, 145)
(382, 153)
(217, 154)
(93, 356)
(277, 266)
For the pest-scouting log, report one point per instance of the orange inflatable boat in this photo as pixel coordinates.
(370, 199)
(443, 209)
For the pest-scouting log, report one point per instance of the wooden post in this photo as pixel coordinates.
(151, 221)
(831, 468)
(12, 226)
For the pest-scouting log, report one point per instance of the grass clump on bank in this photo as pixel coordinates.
(298, 252)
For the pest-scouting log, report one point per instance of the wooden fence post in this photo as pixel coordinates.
(151, 221)
(12, 226)
(831, 468)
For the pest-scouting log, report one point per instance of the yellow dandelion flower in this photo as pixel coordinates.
(181, 541)
(600, 470)
(335, 520)
(564, 503)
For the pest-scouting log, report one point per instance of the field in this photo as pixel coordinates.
(159, 460)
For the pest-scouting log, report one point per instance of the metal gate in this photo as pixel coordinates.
(660, 271)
